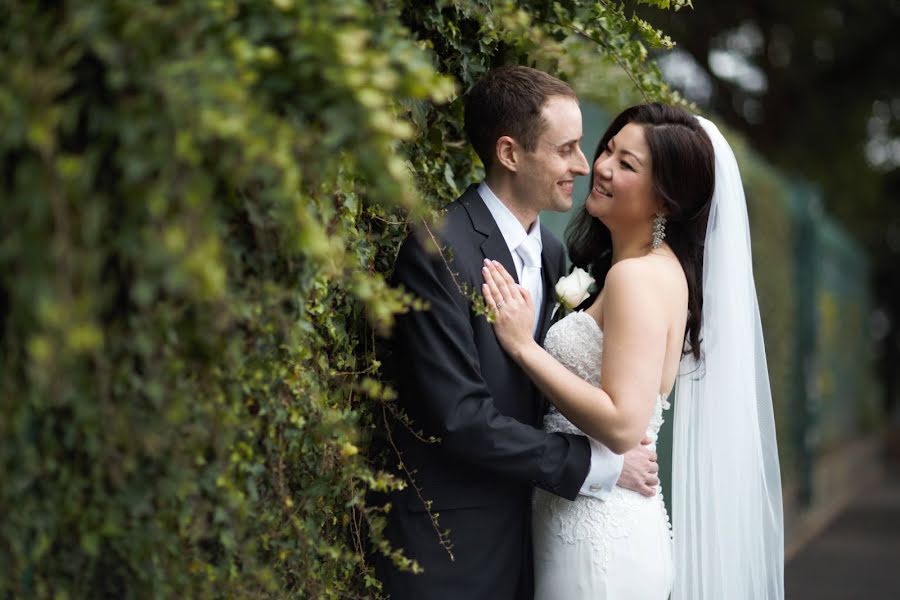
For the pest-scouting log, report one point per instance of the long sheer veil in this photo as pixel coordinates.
(726, 486)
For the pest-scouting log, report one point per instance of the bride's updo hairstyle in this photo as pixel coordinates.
(683, 179)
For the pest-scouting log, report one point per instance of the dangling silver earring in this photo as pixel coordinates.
(659, 231)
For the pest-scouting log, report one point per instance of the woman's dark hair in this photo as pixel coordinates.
(683, 179)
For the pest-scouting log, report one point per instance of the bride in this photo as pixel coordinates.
(664, 230)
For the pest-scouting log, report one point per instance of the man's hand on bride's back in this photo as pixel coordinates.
(640, 471)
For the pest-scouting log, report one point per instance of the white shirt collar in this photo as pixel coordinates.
(510, 227)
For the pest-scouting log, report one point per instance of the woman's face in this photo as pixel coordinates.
(623, 195)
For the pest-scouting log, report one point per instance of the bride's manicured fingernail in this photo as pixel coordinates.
(496, 263)
(487, 261)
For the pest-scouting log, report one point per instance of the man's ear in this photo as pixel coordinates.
(508, 152)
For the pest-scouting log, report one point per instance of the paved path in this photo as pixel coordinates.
(858, 555)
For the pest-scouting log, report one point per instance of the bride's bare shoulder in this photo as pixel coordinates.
(660, 273)
(650, 289)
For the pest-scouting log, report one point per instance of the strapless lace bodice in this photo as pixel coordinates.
(577, 342)
(625, 526)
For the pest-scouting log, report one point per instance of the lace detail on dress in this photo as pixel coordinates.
(576, 341)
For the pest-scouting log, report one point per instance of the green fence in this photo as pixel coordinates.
(812, 280)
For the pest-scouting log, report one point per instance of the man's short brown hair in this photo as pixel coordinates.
(509, 101)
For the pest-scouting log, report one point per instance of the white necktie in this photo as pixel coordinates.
(530, 253)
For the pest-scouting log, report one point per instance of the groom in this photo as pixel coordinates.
(456, 383)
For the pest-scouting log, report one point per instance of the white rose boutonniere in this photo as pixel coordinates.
(572, 289)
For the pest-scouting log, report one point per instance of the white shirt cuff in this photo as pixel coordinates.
(606, 466)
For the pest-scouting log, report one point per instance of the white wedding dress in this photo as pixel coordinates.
(619, 548)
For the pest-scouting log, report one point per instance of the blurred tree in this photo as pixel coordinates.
(814, 87)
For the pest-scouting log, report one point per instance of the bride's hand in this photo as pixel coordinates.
(511, 306)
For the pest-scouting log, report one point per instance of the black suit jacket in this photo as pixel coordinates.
(456, 382)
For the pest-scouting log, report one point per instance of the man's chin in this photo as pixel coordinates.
(563, 205)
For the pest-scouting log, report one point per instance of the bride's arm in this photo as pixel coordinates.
(634, 349)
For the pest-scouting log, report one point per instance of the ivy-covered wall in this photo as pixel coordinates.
(200, 202)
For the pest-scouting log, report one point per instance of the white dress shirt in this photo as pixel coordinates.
(606, 466)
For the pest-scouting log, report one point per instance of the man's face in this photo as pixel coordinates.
(548, 173)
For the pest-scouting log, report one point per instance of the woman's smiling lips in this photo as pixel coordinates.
(601, 190)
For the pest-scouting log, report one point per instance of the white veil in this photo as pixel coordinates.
(726, 486)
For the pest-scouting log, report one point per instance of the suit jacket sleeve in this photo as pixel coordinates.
(444, 391)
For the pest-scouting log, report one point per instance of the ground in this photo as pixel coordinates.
(858, 554)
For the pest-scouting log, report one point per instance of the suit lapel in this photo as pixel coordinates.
(549, 265)
(494, 246)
